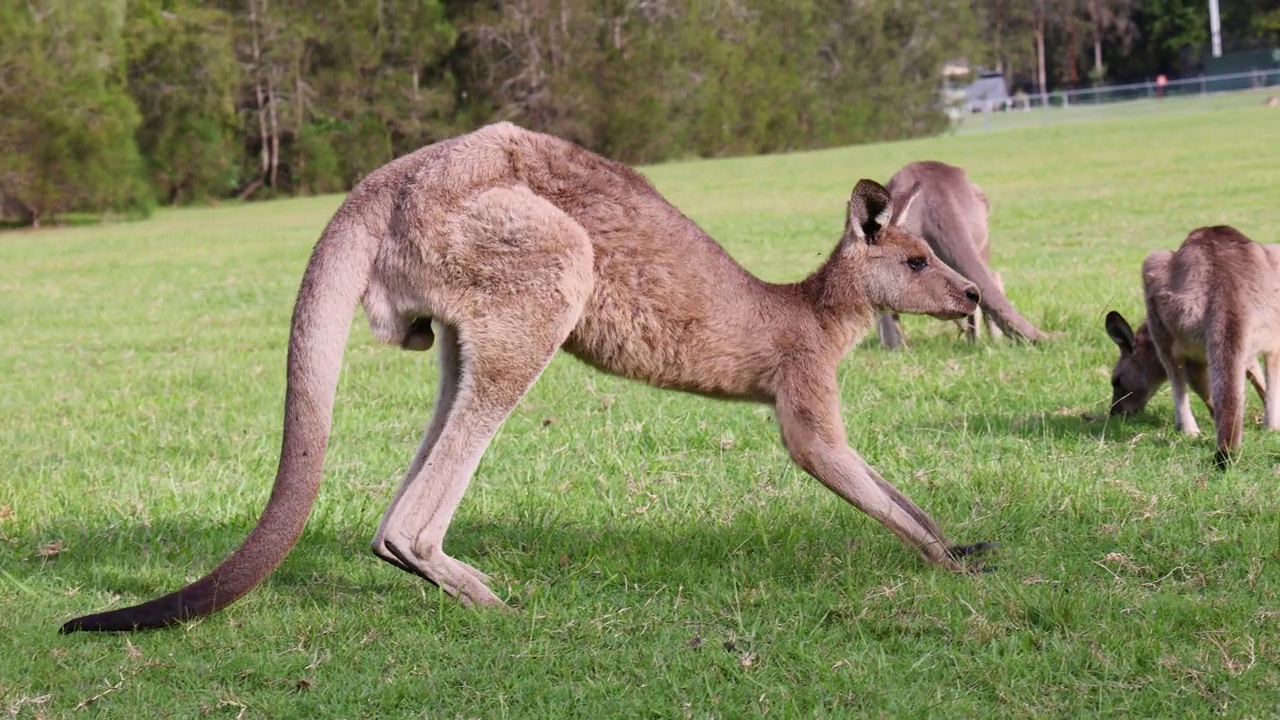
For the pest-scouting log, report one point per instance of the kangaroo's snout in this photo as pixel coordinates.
(959, 299)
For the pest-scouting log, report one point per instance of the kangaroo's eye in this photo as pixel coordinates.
(918, 263)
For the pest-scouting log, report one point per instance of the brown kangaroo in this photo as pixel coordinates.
(951, 216)
(518, 244)
(1212, 307)
(1139, 374)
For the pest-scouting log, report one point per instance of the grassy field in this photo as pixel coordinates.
(665, 557)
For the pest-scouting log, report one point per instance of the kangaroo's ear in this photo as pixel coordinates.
(1120, 333)
(902, 206)
(870, 208)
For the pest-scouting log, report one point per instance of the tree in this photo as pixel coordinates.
(1109, 17)
(1005, 31)
(1176, 31)
(66, 121)
(184, 77)
(647, 79)
(1039, 26)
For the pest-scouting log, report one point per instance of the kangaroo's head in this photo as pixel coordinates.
(899, 270)
(1138, 373)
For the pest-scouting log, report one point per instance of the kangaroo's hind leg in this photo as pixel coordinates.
(507, 334)
(447, 344)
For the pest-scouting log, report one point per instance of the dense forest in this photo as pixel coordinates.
(115, 106)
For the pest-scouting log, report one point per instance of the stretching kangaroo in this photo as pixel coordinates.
(952, 218)
(517, 244)
(1212, 307)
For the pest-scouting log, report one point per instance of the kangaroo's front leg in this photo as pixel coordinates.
(1182, 417)
(889, 330)
(1269, 389)
(1271, 413)
(809, 414)
(1197, 375)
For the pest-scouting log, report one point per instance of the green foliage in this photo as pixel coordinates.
(66, 119)
(1175, 25)
(113, 105)
(340, 92)
(185, 77)
(1267, 24)
(317, 167)
(711, 79)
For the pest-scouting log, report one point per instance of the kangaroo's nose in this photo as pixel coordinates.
(972, 293)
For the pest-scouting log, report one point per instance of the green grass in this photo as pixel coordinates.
(665, 557)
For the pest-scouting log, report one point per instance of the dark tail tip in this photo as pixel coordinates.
(82, 623)
(101, 622)
(156, 614)
(1223, 459)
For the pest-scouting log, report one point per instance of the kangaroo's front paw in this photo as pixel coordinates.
(973, 551)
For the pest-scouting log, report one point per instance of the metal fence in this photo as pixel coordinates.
(1202, 85)
(1066, 106)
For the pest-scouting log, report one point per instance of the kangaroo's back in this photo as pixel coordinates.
(1217, 276)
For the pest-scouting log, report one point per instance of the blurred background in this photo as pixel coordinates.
(113, 107)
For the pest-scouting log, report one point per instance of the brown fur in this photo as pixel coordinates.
(951, 216)
(517, 244)
(1138, 374)
(1212, 307)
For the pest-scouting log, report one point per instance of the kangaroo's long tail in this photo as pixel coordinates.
(332, 287)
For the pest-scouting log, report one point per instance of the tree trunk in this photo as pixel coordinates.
(1044, 90)
(1072, 68)
(275, 130)
(264, 154)
(250, 189)
(1097, 40)
(1039, 21)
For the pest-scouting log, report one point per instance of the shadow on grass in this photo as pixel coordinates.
(332, 562)
(1056, 425)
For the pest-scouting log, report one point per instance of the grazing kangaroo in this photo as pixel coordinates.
(951, 215)
(1212, 307)
(518, 244)
(1139, 374)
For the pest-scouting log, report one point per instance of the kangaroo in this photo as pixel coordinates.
(953, 220)
(516, 244)
(1213, 306)
(1139, 375)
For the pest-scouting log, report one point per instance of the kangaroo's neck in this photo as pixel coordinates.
(837, 294)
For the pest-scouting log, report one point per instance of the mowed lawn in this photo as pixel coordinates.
(664, 557)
